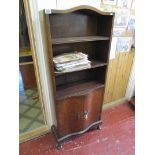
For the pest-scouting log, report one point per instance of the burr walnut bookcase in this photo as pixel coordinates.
(79, 94)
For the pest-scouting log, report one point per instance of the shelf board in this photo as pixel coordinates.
(76, 89)
(94, 64)
(25, 63)
(78, 39)
(25, 51)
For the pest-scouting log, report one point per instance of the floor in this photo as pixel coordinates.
(30, 114)
(115, 138)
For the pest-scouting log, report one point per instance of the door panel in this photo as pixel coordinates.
(93, 107)
(69, 115)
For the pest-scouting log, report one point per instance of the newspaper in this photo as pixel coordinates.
(72, 64)
(69, 57)
(69, 62)
(79, 67)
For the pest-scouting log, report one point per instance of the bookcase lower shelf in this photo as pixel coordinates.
(59, 145)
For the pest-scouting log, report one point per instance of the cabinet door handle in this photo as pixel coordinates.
(85, 114)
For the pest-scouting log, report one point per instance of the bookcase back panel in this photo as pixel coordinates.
(96, 74)
(79, 24)
(73, 25)
(96, 50)
(86, 47)
(104, 25)
(102, 51)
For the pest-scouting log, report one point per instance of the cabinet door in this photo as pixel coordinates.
(93, 106)
(69, 115)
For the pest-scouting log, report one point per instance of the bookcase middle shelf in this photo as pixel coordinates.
(94, 64)
(78, 39)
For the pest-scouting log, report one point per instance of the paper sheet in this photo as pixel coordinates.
(124, 44)
(113, 48)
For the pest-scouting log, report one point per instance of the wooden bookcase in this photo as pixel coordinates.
(79, 94)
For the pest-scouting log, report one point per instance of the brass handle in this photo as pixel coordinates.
(85, 114)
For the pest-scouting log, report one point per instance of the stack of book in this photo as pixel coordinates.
(69, 62)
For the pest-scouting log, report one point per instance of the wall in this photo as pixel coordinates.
(120, 64)
(46, 4)
(118, 76)
(63, 4)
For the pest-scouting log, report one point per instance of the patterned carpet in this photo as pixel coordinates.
(30, 114)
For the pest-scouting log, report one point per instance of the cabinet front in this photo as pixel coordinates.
(69, 115)
(75, 114)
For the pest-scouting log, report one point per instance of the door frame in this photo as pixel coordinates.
(34, 31)
(131, 83)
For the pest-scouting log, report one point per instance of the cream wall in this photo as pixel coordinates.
(46, 4)
(64, 4)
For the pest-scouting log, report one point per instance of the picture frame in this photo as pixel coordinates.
(121, 17)
(124, 3)
(119, 32)
(123, 44)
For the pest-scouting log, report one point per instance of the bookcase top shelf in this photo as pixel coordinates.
(94, 64)
(77, 39)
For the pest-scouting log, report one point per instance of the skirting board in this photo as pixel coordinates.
(114, 103)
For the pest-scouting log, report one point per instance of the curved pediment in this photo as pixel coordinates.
(82, 8)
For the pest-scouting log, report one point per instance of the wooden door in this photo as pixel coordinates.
(93, 107)
(69, 115)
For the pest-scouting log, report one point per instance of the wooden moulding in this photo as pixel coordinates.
(82, 7)
(40, 131)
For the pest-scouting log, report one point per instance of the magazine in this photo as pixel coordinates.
(71, 69)
(72, 65)
(71, 62)
(68, 57)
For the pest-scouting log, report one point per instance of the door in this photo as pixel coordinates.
(32, 120)
(69, 115)
(93, 107)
